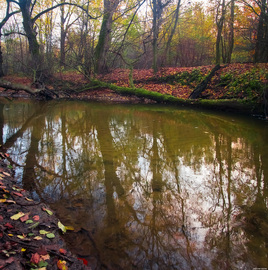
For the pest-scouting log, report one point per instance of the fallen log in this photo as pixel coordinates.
(203, 85)
(42, 92)
(18, 87)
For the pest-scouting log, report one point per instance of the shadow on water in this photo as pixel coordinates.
(146, 187)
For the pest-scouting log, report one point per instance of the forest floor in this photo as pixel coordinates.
(234, 81)
(30, 234)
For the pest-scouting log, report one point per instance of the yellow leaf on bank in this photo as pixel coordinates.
(17, 216)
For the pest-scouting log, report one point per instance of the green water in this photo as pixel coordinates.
(146, 187)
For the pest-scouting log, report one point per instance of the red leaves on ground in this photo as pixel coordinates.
(36, 218)
(35, 258)
(9, 226)
(24, 218)
(85, 262)
(18, 194)
(62, 251)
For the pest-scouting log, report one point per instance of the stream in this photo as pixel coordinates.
(146, 186)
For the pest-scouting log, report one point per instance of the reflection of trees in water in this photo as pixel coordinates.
(129, 183)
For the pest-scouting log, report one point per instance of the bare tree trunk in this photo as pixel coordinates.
(1, 60)
(219, 23)
(261, 51)
(168, 46)
(31, 34)
(231, 34)
(156, 17)
(104, 41)
(2, 23)
(62, 35)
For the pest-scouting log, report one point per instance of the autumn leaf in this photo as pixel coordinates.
(50, 235)
(38, 238)
(7, 201)
(21, 237)
(24, 218)
(62, 265)
(34, 225)
(62, 227)
(45, 257)
(47, 210)
(69, 228)
(85, 262)
(62, 251)
(36, 218)
(35, 259)
(18, 194)
(9, 226)
(17, 216)
(42, 265)
(17, 189)
(43, 232)
(29, 221)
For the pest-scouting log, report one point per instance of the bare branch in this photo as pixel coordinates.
(59, 5)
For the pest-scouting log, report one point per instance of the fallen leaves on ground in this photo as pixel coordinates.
(29, 235)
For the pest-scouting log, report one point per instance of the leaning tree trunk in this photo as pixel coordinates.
(203, 85)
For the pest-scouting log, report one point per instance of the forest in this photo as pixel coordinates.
(40, 39)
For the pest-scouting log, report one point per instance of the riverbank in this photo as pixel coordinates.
(30, 233)
(238, 88)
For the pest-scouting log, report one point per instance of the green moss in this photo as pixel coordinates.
(184, 78)
(235, 105)
(249, 84)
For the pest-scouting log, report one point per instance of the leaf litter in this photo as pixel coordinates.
(30, 234)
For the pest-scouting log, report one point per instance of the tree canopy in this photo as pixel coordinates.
(41, 37)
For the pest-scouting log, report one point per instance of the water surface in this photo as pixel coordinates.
(146, 187)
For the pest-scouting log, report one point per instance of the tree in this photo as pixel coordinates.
(220, 18)
(172, 32)
(157, 8)
(230, 37)
(2, 23)
(104, 40)
(194, 39)
(29, 21)
(260, 9)
(261, 49)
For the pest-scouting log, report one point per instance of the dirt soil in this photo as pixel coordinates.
(30, 233)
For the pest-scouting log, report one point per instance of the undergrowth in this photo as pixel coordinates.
(250, 84)
(184, 78)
